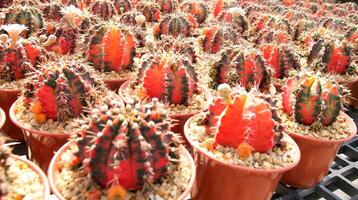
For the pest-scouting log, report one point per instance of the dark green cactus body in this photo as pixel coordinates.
(174, 25)
(104, 9)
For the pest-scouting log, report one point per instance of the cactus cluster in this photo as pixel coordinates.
(61, 90)
(242, 120)
(133, 148)
(169, 77)
(312, 99)
(18, 56)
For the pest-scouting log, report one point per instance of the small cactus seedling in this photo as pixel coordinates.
(241, 119)
(61, 90)
(312, 99)
(197, 9)
(282, 59)
(110, 47)
(215, 37)
(150, 10)
(105, 9)
(18, 56)
(171, 79)
(330, 56)
(238, 67)
(176, 24)
(25, 15)
(133, 148)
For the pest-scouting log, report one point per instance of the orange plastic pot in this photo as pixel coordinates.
(316, 158)
(38, 171)
(41, 145)
(179, 119)
(53, 172)
(115, 84)
(216, 179)
(2, 118)
(7, 98)
(353, 87)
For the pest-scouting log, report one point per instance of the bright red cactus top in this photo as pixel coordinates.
(61, 90)
(242, 120)
(127, 147)
(18, 56)
(312, 99)
(171, 78)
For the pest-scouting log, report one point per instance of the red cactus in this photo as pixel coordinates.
(215, 37)
(167, 6)
(256, 124)
(197, 9)
(236, 18)
(172, 81)
(132, 150)
(174, 25)
(104, 9)
(110, 47)
(150, 10)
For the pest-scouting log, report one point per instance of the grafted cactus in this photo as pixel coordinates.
(246, 68)
(176, 24)
(331, 56)
(281, 58)
(52, 11)
(312, 99)
(105, 9)
(19, 56)
(167, 6)
(63, 38)
(150, 10)
(31, 17)
(236, 18)
(170, 78)
(134, 146)
(215, 37)
(241, 120)
(61, 90)
(197, 9)
(111, 47)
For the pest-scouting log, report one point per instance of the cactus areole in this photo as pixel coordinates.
(128, 146)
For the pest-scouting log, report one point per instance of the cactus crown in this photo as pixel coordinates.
(170, 78)
(111, 47)
(312, 99)
(61, 90)
(246, 68)
(18, 56)
(130, 146)
(240, 118)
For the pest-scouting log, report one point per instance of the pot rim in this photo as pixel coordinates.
(352, 127)
(207, 94)
(38, 171)
(30, 129)
(238, 167)
(53, 167)
(10, 90)
(2, 118)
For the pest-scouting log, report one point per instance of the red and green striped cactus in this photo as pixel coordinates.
(171, 78)
(241, 119)
(236, 18)
(312, 99)
(134, 146)
(61, 90)
(111, 47)
(215, 37)
(197, 9)
(150, 10)
(123, 6)
(104, 9)
(19, 56)
(52, 11)
(176, 24)
(281, 58)
(167, 6)
(330, 56)
(31, 17)
(240, 67)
